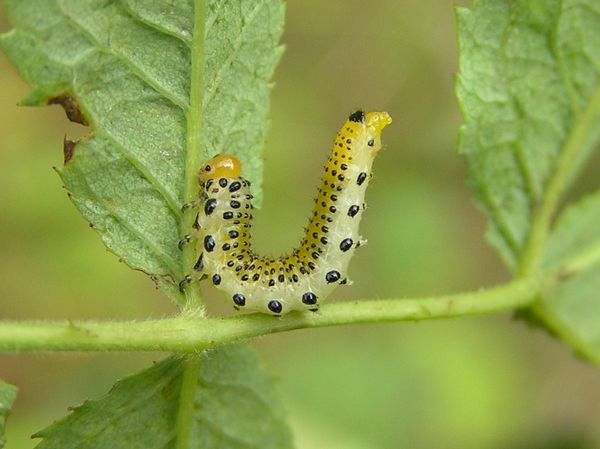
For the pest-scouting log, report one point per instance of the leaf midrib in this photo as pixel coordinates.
(573, 148)
(193, 151)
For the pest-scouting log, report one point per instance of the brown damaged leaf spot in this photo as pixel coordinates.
(71, 108)
(68, 149)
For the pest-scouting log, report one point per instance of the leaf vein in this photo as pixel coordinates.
(166, 260)
(124, 409)
(499, 221)
(137, 71)
(525, 171)
(172, 203)
(155, 26)
(219, 431)
(212, 86)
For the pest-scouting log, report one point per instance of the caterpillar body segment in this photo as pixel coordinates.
(303, 279)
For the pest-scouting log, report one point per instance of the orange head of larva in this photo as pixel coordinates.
(220, 166)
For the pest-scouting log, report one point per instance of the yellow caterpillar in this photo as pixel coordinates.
(304, 278)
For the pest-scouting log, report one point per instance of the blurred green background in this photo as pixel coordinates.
(487, 382)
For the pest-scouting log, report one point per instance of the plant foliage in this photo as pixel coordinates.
(8, 394)
(233, 407)
(530, 95)
(123, 68)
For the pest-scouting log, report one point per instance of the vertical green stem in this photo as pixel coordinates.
(194, 144)
(185, 414)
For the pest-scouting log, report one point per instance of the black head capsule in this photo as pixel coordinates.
(358, 117)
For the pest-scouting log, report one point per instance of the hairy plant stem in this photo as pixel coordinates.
(191, 334)
(193, 150)
(187, 395)
(193, 300)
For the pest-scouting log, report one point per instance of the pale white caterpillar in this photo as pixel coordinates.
(304, 278)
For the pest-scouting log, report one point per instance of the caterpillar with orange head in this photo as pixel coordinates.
(303, 279)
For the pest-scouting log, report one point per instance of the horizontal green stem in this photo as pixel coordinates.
(187, 334)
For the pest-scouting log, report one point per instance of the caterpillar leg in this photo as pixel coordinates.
(188, 237)
(192, 204)
(187, 280)
(198, 274)
(184, 241)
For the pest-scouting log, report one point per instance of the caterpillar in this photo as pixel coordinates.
(303, 279)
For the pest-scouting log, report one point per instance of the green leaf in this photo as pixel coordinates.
(529, 92)
(233, 407)
(8, 394)
(124, 69)
(571, 303)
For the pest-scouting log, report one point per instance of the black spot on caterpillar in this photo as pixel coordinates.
(304, 278)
